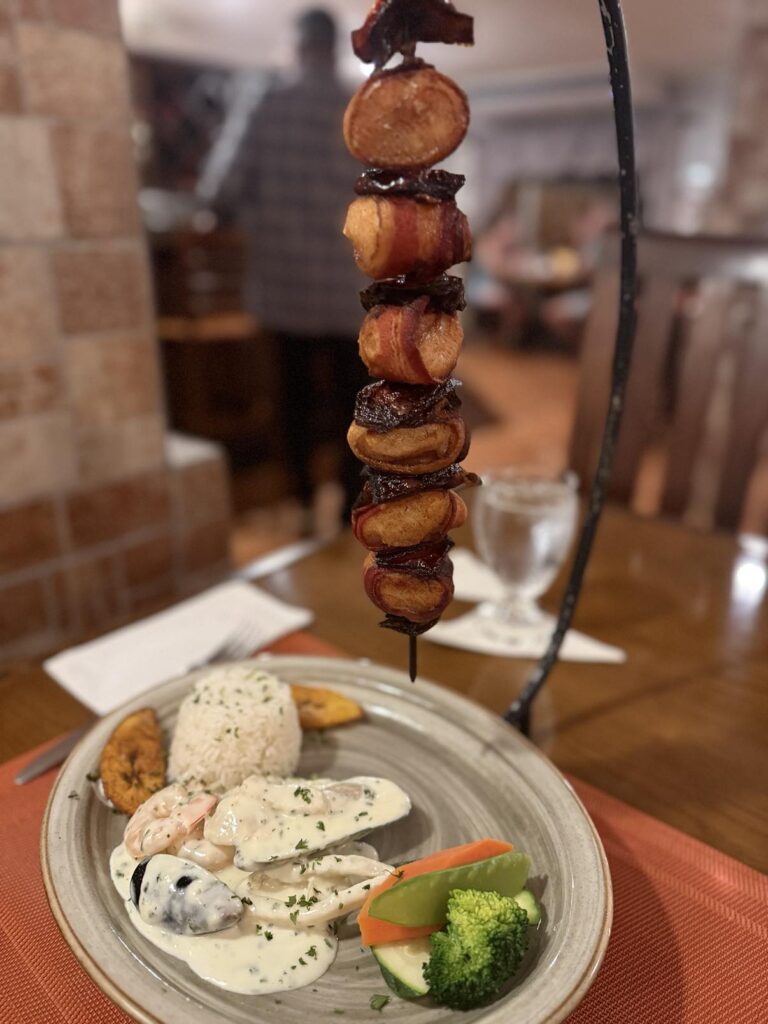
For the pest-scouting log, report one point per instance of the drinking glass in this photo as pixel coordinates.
(523, 523)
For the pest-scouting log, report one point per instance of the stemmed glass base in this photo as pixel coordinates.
(514, 611)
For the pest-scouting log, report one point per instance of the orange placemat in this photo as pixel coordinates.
(689, 943)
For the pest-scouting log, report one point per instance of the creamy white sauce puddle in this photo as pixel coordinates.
(239, 959)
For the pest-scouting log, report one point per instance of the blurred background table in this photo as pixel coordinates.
(678, 731)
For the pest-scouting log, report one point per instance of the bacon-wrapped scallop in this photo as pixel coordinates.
(408, 428)
(415, 343)
(416, 586)
(408, 117)
(422, 518)
(397, 235)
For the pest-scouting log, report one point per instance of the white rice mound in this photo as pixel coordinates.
(237, 721)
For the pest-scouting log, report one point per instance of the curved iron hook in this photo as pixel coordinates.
(519, 712)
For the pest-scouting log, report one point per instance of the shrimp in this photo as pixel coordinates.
(195, 848)
(166, 817)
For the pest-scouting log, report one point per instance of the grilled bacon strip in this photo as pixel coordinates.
(395, 26)
(406, 118)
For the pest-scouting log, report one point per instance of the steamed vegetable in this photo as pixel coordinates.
(484, 941)
(375, 932)
(402, 966)
(423, 900)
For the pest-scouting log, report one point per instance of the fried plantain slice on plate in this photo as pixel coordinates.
(133, 761)
(322, 709)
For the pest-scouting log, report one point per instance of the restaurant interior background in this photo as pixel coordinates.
(141, 432)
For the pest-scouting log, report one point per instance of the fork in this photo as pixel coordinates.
(239, 644)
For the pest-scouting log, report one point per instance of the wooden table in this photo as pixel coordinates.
(678, 731)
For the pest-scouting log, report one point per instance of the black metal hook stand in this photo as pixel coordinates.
(519, 712)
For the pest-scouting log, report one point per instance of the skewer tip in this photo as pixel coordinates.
(412, 658)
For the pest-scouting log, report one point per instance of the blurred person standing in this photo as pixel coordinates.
(291, 177)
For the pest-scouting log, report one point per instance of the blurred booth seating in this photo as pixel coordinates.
(697, 403)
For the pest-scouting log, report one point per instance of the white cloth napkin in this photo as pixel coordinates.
(474, 581)
(105, 673)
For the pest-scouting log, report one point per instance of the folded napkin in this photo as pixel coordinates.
(107, 672)
(474, 581)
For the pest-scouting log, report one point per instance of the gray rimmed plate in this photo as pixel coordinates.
(469, 775)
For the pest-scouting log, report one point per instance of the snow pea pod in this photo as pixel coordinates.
(422, 900)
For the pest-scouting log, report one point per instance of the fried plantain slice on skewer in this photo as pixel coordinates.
(133, 761)
(322, 709)
(406, 118)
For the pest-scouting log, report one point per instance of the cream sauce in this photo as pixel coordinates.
(254, 957)
(270, 820)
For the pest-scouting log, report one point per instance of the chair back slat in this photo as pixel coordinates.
(703, 332)
(749, 416)
(596, 357)
(656, 311)
(699, 381)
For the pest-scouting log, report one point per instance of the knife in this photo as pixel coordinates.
(53, 756)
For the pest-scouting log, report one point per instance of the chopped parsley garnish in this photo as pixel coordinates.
(294, 916)
(304, 793)
(291, 901)
(378, 1002)
(312, 951)
(246, 901)
(321, 826)
(74, 795)
(92, 776)
(268, 936)
(302, 844)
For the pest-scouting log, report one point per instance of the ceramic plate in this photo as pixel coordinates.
(469, 775)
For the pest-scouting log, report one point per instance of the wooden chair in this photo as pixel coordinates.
(699, 382)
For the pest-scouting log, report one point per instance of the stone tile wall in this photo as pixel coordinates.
(100, 518)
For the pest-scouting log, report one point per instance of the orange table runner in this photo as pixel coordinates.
(689, 942)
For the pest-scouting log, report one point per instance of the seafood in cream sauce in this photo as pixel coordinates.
(269, 820)
(182, 897)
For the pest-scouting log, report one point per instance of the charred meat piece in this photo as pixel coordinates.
(381, 487)
(414, 343)
(407, 118)
(415, 585)
(395, 26)
(133, 763)
(427, 184)
(385, 405)
(392, 236)
(421, 518)
(445, 293)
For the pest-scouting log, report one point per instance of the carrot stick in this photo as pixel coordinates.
(374, 932)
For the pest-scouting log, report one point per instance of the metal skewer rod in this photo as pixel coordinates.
(519, 712)
(412, 657)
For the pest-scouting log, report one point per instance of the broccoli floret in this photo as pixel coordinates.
(484, 941)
